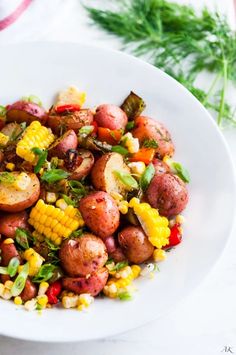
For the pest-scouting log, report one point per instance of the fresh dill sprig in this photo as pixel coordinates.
(172, 37)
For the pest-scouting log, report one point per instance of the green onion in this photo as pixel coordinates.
(133, 106)
(13, 267)
(120, 265)
(180, 171)
(3, 111)
(3, 270)
(77, 188)
(33, 99)
(22, 238)
(147, 176)
(126, 179)
(19, 283)
(54, 175)
(77, 233)
(86, 130)
(68, 200)
(42, 154)
(129, 125)
(51, 245)
(45, 273)
(119, 149)
(7, 178)
(125, 296)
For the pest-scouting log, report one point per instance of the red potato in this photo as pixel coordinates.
(67, 141)
(2, 122)
(100, 213)
(79, 163)
(12, 130)
(1, 157)
(147, 128)
(10, 222)
(82, 256)
(8, 251)
(93, 285)
(110, 116)
(102, 174)
(160, 166)
(118, 255)
(23, 111)
(13, 200)
(167, 193)
(113, 250)
(30, 291)
(4, 278)
(135, 244)
(74, 120)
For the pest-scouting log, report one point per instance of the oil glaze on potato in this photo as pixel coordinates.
(74, 120)
(147, 129)
(8, 251)
(22, 111)
(110, 116)
(100, 213)
(82, 256)
(67, 141)
(10, 222)
(167, 193)
(12, 200)
(103, 176)
(93, 285)
(135, 244)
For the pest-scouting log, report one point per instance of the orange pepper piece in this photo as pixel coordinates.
(109, 136)
(145, 155)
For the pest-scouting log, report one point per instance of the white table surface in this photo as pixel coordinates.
(205, 324)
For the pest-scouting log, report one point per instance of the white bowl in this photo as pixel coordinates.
(44, 69)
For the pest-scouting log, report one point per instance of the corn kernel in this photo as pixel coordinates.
(8, 241)
(61, 204)
(3, 139)
(137, 168)
(70, 301)
(1, 289)
(116, 196)
(51, 197)
(31, 305)
(43, 287)
(159, 255)
(8, 284)
(6, 294)
(123, 207)
(180, 219)
(10, 166)
(71, 96)
(18, 300)
(42, 300)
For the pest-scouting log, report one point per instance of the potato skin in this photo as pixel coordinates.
(114, 251)
(74, 120)
(22, 111)
(135, 244)
(82, 256)
(160, 166)
(10, 222)
(67, 141)
(168, 193)
(92, 285)
(110, 116)
(8, 251)
(17, 201)
(147, 128)
(29, 291)
(100, 213)
(84, 167)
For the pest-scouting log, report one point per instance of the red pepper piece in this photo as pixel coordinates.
(53, 292)
(68, 108)
(175, 236)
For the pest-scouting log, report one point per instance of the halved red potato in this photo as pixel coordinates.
(12, 130)
(160, 166)
(114, 251)
(110, 116)
(10, 222)
(23, 111)
(67, 141)
(78, 163)
(8, 251)
(82, 256)
(13, 200)
(74, 120)
(93, 285)
(29, 291)
(102, 174)
(100, 213)
(148, 129)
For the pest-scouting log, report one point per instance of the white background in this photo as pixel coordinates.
(205, 324)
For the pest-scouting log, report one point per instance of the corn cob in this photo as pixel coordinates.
(115, 285)
(54, 223)
(35, 135)
(155, 226)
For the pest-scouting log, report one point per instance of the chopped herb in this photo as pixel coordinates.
(54, 162)
(22, 238)
(182, 172)
(77, 188)
(109, 261)
(129, 125)
(120, 265)
(20, 281)
(150, 143)
(54, 175)
(86, 130)
(125, 296)
(77, 233)
(51, 245)
(133, 106)
(7, 178)
(68, 200)
(119, 149)
(42, 154)
(147, 176)
(126, 179)
(3, 270)
(45, 273)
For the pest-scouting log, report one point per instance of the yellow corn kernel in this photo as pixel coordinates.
(71, 96)
(136, 269)
(35, 261)
(70, 301)
(61, 203)
(20, 267)
(8, 284)
(22, 182)
(116, 196)
(8, 241)
(43, 287)
(131, 143)
(123, 207)
(51, 197)
(6, 294)
(35, 135)
(10, 166)
(18, 300)
(137, 168)
(1, 289)
(3, 139)
(31, 305)
(42, 300)
(166, 159)
(85, 299)
(159, 255)
(180, 219)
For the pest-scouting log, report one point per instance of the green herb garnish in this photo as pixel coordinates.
(180, 171)
(22, 238)
(45, 273)
(119, 149)
(77, 233)
(77, 188)
(20, 281)
(33, 99)
(174, 37)
(42, 157)
(150, 143)
(51, 245)
(3, 111)
(147, 176)
(125, 296)
(86, 130)
(126, 179)
(7, 178)
(68, 200)
(54, 175)
(13, 267)
(119, 265)
(130, 125)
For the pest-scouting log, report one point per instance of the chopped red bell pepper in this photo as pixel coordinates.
(109, 136)
(53, 292)
(175, 236)
(67, 108)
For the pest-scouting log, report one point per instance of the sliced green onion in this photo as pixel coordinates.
(86, 130)
(129, 125)
(119, 265)
(54, 175)
(77, 188)
(32, 98)
(147, 176)
(125, 296)
(150, 143)
(42, 154)
(126, 179)
(3, 111)
(7, 178)
(180, 171)
(45, 273)
(3, 270)
(51, 245)
(13, 267)
(68, 200)
(19, 283)
(119, 149)
(77, 233)
(22, 238)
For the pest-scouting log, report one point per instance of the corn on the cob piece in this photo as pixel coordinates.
(155, 226)
(54, 223)
(35, 135)
(35, 261)
(115, 284)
